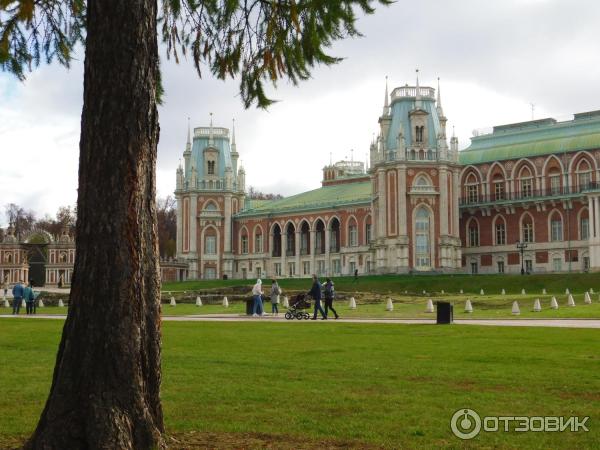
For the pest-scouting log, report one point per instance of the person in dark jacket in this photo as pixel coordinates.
(315, 293)
(329, 296)
(17, 293)
(29, 298)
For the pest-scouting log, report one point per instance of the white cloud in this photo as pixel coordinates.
(494, 58)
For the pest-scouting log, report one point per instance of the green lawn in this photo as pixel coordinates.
(492, 284)
(410, 307)
(385, 385)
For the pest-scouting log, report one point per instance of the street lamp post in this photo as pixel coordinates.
(522, 246)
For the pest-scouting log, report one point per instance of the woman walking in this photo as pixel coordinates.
(275, 293)
(257, 307)
(329, 296)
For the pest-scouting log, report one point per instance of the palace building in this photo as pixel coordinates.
(421, 205)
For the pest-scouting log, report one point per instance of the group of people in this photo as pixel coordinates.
(23, 291)
(317, 292)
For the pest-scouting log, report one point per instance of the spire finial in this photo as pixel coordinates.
(417, 93)
(453, 132)
(439, 95)
(330, 158)
(211, 136)
(233, 134)
(189, 140)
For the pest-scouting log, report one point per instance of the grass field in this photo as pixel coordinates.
(409, 307)
(349, 384)
(397, 284)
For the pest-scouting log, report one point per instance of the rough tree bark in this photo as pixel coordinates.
(105, 388)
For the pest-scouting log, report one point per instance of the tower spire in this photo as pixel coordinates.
(386, 107)
(188, 145)
(418, 93)
(211, 135)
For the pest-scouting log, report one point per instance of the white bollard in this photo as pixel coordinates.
(429, 308)
(468, 306)
(60, 303)
(461, 291)
(198, 301)
(503, 292)
(553, 303)
(567, 292)
(522, 291)
(443, 292)
(286, 302)
(40, 303)
(481, 292)
(544, 291)
(173, 301)
(424, 293)
(225, 302)
(390, 305)
(570, 301)
(515, 308)
(587, 299)
(23, 305)
(352, 303)
(591, 290)
(6, 305)
(537, 307)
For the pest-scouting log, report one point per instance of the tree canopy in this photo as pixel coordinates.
(256, 41)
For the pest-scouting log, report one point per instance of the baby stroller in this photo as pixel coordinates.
(295, 311)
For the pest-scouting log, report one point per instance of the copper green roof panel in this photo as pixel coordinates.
(323, 198)
(540, 138)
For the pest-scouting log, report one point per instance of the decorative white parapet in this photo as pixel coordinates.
(60, 303)
(567, 292)
(389, 306)
(424, 293)
(553, 303)
(523, 292)
(468, 306)
(198, 301)
(429, 308)
(173, 301)
(461, 291)
(587, 299)
(225, 302)
(352, 303)
(570, 301)
(537, 307)
(286, 302)
(481, 292)
(443, 292)
(544, 291)
(515, 308)
(503, 292)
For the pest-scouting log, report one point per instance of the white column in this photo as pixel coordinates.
(382, 204)
(456, 210)
(312, 250)
(298, 271)
(592, 224)
(327, 252)
(283, 252)
(444, 199)
(179, 225)
(227, 229)
(402, 201)
(193, 222)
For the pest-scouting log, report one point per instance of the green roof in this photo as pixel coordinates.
(541, 137)
(326, 197)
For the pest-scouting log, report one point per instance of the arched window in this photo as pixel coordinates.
(290, 240)
(210, 206)
(422, 240)
(527, 234)
(472, 189)
(352, 233)
(584, 175)
(499, 191)
(211, 168)
(554, 181)
(556, 227)
(368, 227)
(320, 237)
(244, 241)
(584, 228)
(258, 240)
(526, 180)
(334, 237)
(276, 240)
(500, 231)
(473, 236)
(304, 239)
(210, 242)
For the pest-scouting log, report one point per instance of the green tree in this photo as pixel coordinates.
(105, 388)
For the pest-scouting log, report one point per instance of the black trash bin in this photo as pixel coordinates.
(445, 312)
(249, 305)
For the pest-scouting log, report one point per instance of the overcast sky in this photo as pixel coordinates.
(494, 59)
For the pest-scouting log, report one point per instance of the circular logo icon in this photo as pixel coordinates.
(465, 423)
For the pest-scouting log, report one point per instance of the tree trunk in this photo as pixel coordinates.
(105, 388)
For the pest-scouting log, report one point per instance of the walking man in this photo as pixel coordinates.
(275, 293)
(29, 298)
(315, 293)
(17, 293)
(257, 306)
(329, 296)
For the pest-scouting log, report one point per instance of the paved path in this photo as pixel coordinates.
(558, 323)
